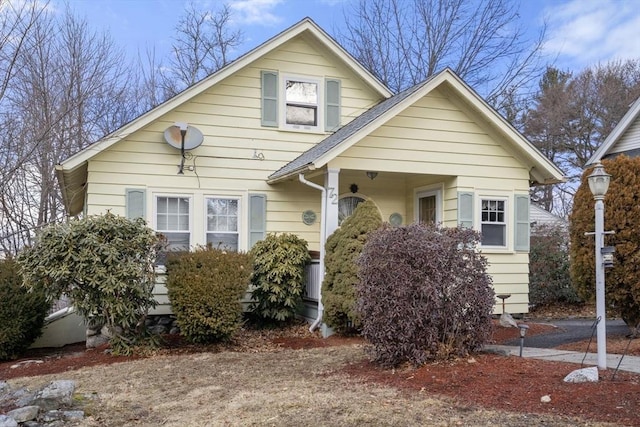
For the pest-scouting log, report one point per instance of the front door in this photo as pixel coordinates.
(428, 206)
(427, 209)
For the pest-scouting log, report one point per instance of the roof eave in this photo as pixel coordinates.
(621, 127)
(304, 25)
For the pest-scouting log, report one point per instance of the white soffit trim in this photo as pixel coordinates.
(624, 123)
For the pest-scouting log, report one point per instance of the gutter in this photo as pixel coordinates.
(323, 236)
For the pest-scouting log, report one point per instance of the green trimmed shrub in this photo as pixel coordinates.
(549, 278)
(621, 215)
(205, 288)
(105, 265)
(424, 294)
(22, 312)
(342, 249)
(278, 276)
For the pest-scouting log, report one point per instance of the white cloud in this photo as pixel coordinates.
(583, 33)
(256, 11)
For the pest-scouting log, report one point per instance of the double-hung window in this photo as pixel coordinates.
(493, 222)
(301, 104)
(172, 220)
(222, 222)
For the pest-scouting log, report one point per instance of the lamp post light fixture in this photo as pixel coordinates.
(599, 184)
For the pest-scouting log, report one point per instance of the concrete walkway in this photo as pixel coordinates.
(629, 363)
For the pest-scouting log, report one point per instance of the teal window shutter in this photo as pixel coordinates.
(135, 203)
(465, 209)
(522, 230)
(269, 98)
(257, 218)
(332, 105)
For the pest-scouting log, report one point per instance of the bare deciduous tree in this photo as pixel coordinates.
(204, 43)
(573, 115)
(68, 88)
(402, 42)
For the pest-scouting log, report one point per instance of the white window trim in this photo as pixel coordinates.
(430, 190)
(282, 107)
(155, 197)
(507, 220)
(240, 220)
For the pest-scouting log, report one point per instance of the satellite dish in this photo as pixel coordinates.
(183, 137)
(192, 138)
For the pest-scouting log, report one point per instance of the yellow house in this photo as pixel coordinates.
(292, 135)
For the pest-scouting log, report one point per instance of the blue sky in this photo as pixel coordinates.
(580, 32)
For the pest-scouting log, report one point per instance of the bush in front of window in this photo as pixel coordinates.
(105, 265)
(278, 276)
(549, 278)
(22, 312)
(342, 250)
(205, 288)
(622, 216)
(424, 294)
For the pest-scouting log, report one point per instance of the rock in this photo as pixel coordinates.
(164, 321)
(507, 321)
(26, 362)
(174, 330)
(51, 406)
(73, 415)
(24, 414)
(56, 394)
(158, 329)
(6, 421)
(96, 341)
(584, 375)
(545, 399)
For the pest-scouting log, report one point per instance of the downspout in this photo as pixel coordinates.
(323, 209)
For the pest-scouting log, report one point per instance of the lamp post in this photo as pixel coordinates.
(599, 184)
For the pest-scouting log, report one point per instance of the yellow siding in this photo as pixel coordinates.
(228, 115)
(434, 142)
(439, 144)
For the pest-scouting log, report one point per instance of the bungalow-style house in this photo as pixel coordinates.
(292, 136)
(623, 139)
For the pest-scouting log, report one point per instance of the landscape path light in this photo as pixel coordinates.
(523, 331)
(599, 184)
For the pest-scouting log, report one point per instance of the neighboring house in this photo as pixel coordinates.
(623, 139)
(296, 133)
(538, 216)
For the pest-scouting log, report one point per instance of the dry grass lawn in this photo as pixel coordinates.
(282, 387)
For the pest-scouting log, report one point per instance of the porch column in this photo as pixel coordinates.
(331, 181)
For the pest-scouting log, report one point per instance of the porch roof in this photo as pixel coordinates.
(542, 170)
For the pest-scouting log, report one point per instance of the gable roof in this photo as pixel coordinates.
(72, 172)
(627, 120)
(542, 169)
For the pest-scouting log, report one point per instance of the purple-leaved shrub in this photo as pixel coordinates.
(423, 294)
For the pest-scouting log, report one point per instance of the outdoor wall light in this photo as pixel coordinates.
(372, 175)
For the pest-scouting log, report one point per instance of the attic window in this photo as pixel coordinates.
(301, 103)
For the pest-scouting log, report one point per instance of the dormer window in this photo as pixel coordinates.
(300, 103)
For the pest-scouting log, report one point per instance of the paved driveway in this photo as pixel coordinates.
(570, 330)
